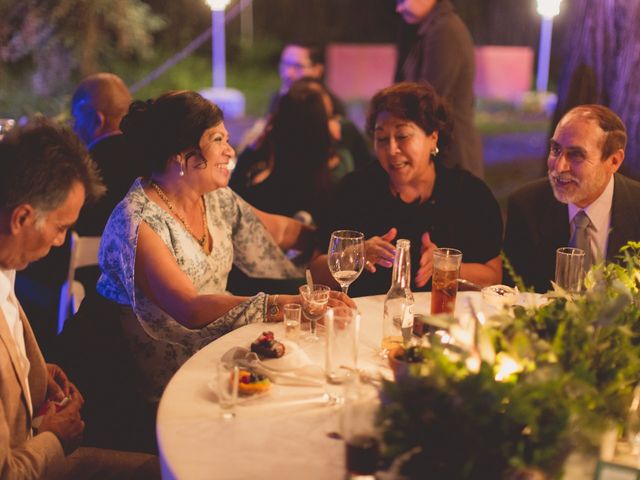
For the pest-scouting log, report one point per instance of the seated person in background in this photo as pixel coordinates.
(98, 105)
(583, 203)
(304, 60)
(409, 194)
(46, 175)
(169, 245)
(288, 171)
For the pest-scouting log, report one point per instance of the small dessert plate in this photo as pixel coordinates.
(294, 357)
(242, 399)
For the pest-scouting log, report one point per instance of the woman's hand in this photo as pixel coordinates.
(426, 260)
(339, 299)
(380, 250)
(336, 299)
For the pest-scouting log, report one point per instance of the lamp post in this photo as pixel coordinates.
(547, 9)
(218, 60)
(231, 101)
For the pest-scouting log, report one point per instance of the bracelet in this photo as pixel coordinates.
(273, 310)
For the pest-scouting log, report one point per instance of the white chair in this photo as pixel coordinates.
(84, 252)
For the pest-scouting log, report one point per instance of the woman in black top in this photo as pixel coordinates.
(288, 170)
(409, 194)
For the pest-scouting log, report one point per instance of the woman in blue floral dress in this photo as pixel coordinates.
(169, 244)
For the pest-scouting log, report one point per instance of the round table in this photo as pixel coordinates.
(285, 434)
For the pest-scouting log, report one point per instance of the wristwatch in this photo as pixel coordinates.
(273, 310)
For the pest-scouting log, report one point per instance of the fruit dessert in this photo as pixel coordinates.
(267, 346)
(251, 383)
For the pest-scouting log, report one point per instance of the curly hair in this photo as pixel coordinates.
(416, 102)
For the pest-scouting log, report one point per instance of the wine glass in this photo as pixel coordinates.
(314, 306)
(346, 256)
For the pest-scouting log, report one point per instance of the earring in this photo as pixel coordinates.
(435, 151)
(181, 171)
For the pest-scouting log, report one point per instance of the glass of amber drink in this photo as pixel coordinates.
(444, 281)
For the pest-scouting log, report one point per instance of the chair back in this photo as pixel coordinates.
(84, 252)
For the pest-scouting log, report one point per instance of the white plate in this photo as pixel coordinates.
(294, 357)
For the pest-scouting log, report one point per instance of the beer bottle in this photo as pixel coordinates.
(397, 320)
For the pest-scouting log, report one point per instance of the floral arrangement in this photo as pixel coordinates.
(540, 382)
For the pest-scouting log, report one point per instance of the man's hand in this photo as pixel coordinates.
(426, 260)
(380, 250)
(58, 385)
(66, 424)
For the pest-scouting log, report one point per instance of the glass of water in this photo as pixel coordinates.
(292, 316)
(228, 378)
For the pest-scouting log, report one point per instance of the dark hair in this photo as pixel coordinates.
(298, 140)
(299, 133)
(170, 124)
(40, 162)
(612, 125)
(416, 102)
(316, 52)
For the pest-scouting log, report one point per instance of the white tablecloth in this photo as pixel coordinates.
(281, 435)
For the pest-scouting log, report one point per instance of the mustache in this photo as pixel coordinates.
(563, 177)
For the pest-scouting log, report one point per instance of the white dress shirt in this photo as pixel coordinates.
(11, 312)
(599, 212)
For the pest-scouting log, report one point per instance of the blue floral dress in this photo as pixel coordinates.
(159, 343)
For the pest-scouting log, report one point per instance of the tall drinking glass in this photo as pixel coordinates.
(342, 326)
(361, 404)
(228, 377)
(444, 283)
(570, 268)
(346, 256)
(314, 305)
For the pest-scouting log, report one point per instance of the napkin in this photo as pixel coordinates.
(306, 376)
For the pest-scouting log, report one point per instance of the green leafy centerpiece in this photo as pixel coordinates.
(541, 382)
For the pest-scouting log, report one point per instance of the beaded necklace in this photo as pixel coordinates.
(183, 220)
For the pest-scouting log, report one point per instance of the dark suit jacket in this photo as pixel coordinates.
(119, 166)
(537, 225)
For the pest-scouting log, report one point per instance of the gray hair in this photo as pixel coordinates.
(40, 162)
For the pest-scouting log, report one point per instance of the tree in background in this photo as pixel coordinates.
(57, 39)
(602, 65)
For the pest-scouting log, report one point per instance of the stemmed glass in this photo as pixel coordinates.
(346, 256)
(314, 305)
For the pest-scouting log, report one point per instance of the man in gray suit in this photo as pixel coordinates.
(46, 173)
(583, 193)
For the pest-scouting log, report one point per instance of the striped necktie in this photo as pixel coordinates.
(581, 238)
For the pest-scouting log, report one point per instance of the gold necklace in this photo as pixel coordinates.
(168, 203)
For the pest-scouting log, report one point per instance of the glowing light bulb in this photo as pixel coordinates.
(217, 5)
(549, 8)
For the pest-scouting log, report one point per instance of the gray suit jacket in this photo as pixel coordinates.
(537, 225)
(22, 457)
